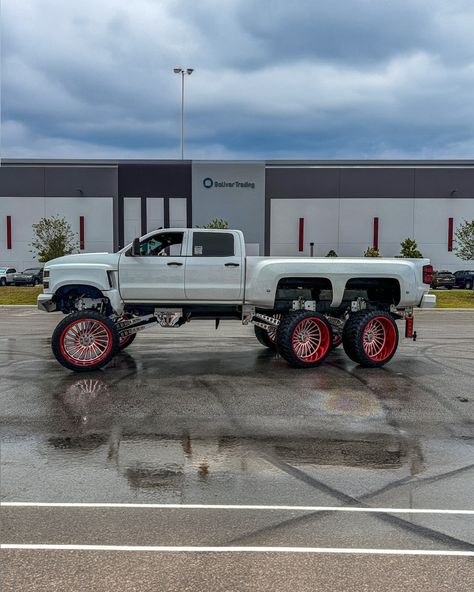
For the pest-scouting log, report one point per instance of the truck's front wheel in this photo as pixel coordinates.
(85, 341)
(304, 338)
(370, 338)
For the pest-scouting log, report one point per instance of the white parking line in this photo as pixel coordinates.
(236, 507)
(169, 549)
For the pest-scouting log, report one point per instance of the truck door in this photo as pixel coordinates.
(214, 266)
(157, 275)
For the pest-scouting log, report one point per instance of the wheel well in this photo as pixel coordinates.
(308, 288)
(376, 290)
(66, 295)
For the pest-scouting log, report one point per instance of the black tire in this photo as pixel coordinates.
(75, 354)
(383, 345)
(267, 338)
(126, 341)
(449, 287)
(319, 338)
(468, 285)
(3, 282)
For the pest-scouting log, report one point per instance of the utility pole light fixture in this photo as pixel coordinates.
(184, 72)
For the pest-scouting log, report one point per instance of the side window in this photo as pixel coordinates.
(213, 244)
(164, 244)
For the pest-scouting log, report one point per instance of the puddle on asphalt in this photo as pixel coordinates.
(150, 458)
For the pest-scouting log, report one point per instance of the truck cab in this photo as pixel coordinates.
(183, 265)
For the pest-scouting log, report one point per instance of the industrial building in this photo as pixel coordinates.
(281, 206)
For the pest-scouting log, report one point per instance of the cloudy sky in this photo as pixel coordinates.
(273, 78)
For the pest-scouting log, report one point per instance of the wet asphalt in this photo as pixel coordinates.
(198, 416)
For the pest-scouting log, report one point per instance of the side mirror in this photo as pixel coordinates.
(135, 248)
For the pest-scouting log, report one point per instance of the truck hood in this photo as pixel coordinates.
(86, 259)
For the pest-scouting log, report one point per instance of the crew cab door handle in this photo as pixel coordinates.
(174, 264)
(232, 264)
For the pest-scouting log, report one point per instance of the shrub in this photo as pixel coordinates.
(53, 237)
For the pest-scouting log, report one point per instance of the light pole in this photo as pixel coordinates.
(184, 72)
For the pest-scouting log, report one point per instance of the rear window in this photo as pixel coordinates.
(213, 244)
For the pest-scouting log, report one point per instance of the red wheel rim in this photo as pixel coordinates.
(124, 340)
(311, 339)
(272, 332)
(379, 339)
(86, 342)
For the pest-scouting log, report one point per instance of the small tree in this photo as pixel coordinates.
(372, 252)
(409, 249)
(332, 253)
(53, 237)
(465, 241)
(216, 223)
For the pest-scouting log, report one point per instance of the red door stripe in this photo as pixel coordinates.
(301, 235)
(81, 233)
(450, 233)
(376, 233)
(9, 232)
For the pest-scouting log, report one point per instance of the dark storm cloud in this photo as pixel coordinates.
(274, 78)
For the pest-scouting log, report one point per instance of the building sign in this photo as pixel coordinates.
(209, 183)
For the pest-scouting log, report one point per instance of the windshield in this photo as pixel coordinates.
(3, 270)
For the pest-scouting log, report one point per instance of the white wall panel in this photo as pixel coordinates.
(431, 217)
(177, 212)
(131, 218)
(346, 226)
(357, 220)
(320, 224)
(98, 219)
(154, 214)
(25, 211)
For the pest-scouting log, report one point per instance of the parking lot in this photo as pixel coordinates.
(199, 460)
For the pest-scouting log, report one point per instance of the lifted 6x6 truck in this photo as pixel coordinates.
(302, 307)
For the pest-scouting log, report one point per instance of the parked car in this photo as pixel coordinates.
(6, 275)
(464, 279)
(30, 277)
(443, 279)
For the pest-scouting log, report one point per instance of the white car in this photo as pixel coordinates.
(6, 275)
(302, 306)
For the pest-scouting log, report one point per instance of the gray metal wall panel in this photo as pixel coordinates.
(242, 207)
(301, 182)
(377, 182)
(441, 182)
(21, 181)
(155, 180)
(77, 181)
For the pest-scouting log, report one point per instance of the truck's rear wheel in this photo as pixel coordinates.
(85, 341)
(268, 338)
(304, 338)
(370, 338)
(126, 341)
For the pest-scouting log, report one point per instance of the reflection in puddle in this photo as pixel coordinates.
(167, 459)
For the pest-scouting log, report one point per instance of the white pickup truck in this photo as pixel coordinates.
(302, 307)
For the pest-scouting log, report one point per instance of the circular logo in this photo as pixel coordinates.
(208, 182)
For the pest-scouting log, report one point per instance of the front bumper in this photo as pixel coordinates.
(45, 303)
